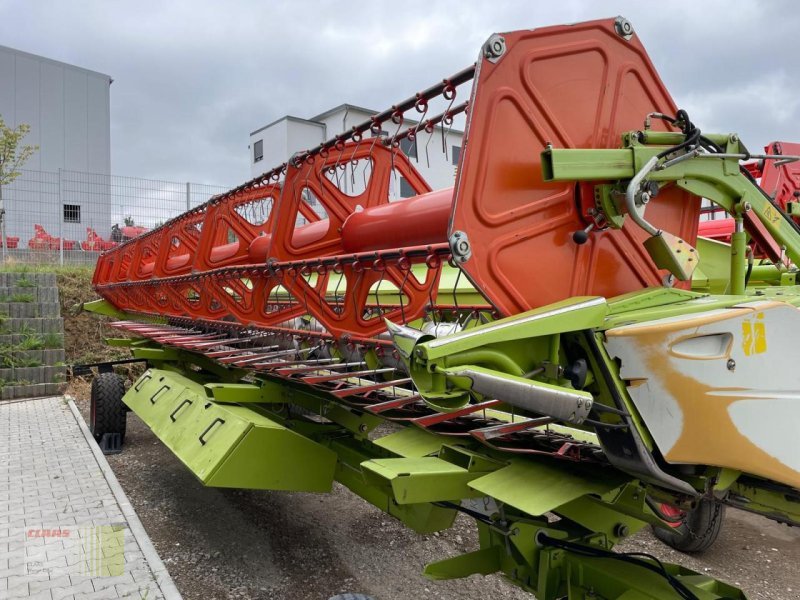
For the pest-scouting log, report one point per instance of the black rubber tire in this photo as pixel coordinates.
(698, 530)
(351, 597)
(107, 413)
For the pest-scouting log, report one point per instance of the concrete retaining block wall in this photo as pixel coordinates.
(31, 336)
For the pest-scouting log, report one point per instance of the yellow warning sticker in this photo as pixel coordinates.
(754, 336)
(772, 215)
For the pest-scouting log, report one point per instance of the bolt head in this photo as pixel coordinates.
(623, 28)
(494, 48)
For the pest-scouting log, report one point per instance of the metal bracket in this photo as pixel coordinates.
(102, 367)
(460, 247)
(494, 48)
(623, 28)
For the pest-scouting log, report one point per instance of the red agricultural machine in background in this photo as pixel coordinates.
(42, 240)
(779, 179)
(560, 356)
(126, 232)
(94, 242)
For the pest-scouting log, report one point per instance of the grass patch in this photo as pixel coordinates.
(31, 342)
(58, 270)
(26, 362)
(10, 357)
(53, 341)
(27, 330)
(21, 298)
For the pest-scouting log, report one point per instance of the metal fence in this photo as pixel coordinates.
(70, 217)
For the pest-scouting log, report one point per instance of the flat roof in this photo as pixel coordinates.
(315, 120)
(287, 118)
(344, 106)
(55, 62)
(370, 112)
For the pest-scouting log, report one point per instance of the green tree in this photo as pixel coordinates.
(12, 156)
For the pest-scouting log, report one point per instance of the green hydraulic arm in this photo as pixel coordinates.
(715, 176)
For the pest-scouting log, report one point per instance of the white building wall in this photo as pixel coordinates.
(282, 139)
(289, 135)
(436, 168)
(68, 110)
(302, 135)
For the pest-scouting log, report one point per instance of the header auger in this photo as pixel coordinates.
(551, 333)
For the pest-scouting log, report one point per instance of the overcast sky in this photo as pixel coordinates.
(192, 78)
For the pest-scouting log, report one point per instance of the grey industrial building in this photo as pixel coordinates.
(68, 109)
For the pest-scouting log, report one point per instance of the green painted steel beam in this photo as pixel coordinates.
(425, 479)
(574, 314)
(717, 179)
(411, 442)
(105, 308)
(538, 487)
(552, 573)
(121, 342)
(156, 354)
(244, 393)
(756, 496)
(568, 164)
(479, 562)
(227, 445)
(421, 517)
(444, 477)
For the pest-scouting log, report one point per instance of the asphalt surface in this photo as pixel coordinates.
(251, 544)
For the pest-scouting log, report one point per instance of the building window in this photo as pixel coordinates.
(456, 154)
(258, 151)
(72, 213)
(409, 147)
(406, 191)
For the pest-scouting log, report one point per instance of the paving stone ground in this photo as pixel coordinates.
(67, 531)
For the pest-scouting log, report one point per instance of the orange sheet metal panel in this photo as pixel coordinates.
(781, 181)
(579, 86)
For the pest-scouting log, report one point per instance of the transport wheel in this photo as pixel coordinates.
(107, 413)
(692, 531)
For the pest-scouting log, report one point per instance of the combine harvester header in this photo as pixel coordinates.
(551, 335)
